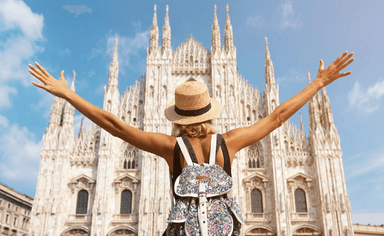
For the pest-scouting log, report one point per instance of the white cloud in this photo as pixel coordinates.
(371, 163)
(372, 219)
(366, 101)
(19, 155)
(16, 14)
(4, 121)
(5, 93)
(291, 76)
(44, 105)
(131, 50)
(288, 18)
(25, 29)
(256, 21)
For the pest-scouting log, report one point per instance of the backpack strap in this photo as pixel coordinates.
(184, 150)
(212, 153)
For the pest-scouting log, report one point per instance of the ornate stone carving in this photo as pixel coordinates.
(191, 58)
(125, 181)
(82, 182)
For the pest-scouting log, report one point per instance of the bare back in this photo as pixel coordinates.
(201, 147)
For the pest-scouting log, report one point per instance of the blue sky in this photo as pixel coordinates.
(299, 34)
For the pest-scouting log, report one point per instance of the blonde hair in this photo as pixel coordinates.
(198, 130)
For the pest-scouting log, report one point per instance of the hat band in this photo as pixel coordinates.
(193, 112)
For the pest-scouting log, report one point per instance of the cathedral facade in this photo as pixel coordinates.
(96, 184)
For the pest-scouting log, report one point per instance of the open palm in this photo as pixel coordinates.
(56, 87)
(332, 72)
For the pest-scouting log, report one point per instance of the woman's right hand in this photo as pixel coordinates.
(331, 73)
(56, 87)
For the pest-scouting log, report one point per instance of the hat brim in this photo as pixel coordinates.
(172, 116)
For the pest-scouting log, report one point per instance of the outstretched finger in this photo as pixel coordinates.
(43, 70)
(36, 71)
(344, 74)
(345, 59)
(337, 61)
(346, 64)
(38, 76)
(38, 85)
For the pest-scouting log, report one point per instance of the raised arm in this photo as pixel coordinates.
(159, 144)
(239, 138)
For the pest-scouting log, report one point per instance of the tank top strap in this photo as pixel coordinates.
(227, 160)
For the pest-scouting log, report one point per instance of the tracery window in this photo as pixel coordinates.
(129, 157)
(126, 202)
(254, 156)
(82, 202)
(300, 200)
(256, 201)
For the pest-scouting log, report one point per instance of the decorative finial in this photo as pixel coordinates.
(215, 21)
(301, 123)
(115, 41)
(227, 18)
(154, 22)
(309, 77)
(73, 81)
(81, 125)
(166, 8)
(267, 55)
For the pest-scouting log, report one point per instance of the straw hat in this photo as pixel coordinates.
(192, 104)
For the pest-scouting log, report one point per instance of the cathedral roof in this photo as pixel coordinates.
(191, 57)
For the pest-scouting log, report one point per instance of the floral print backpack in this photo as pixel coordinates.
(202, 205)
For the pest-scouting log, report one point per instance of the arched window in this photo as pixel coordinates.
(82, 202)
(300, 201)
(256, 201)
(126, 202)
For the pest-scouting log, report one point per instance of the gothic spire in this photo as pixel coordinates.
(313, 108)
(73, 81)
(301, 123)
(113, 69)
(81, 126)
(215, 33)
(154, 38)
(166, 32)
(269, 72)
(228, 38)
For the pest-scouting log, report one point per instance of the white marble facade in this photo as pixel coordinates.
(297, 184)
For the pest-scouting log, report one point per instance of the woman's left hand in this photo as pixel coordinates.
(56, 87)
(331, 73)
